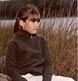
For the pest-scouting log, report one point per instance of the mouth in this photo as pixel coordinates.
(36, 29)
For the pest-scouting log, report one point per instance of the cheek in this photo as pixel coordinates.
(29, 26)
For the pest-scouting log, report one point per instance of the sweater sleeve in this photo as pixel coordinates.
(47, 73)
(10, 63)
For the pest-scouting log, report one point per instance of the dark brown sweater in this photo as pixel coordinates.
(28, 53)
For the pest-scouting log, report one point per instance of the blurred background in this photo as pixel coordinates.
(58, 25)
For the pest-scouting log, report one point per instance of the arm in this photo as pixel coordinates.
(47, 73)
(10, 63)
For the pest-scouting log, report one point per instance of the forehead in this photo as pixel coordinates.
(33, 16)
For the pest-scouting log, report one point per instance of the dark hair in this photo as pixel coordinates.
(23, 13)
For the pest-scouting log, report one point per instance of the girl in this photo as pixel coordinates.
(28, 57)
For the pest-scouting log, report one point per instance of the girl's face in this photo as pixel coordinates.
(31, 24)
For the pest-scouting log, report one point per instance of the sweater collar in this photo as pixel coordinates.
(26, 34)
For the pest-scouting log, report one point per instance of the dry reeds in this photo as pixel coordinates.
(63, 46)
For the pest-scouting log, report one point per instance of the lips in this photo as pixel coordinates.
(36, 28)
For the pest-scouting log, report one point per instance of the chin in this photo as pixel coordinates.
(34, 32)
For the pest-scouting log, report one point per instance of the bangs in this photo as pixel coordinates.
(37, 16)
(32, 12)
(29, 10)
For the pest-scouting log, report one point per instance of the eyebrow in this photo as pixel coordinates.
(23, 18)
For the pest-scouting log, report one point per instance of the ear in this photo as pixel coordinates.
(22, 23)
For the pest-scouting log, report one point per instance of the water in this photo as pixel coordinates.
(55, 23)
(4, 23)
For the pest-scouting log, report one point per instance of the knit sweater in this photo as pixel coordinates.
(28, 53)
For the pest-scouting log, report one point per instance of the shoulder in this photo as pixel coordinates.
(13, 40)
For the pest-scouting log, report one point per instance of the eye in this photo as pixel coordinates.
(38, 20)
(24, 18)
(35, 20)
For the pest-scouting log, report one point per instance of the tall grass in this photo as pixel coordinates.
(63, 46)
(5, 35)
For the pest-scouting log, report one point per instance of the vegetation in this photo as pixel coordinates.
(63, 47)
(54, 8)
(5, 35)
